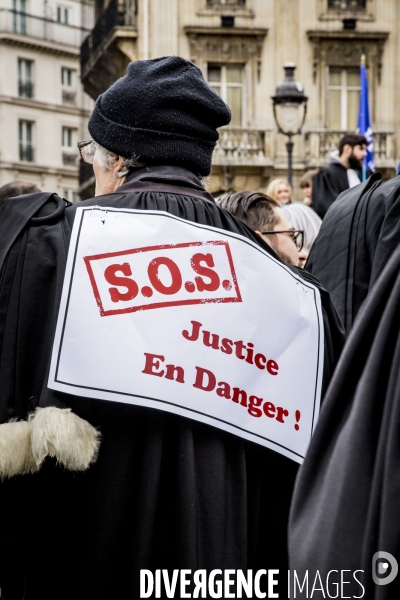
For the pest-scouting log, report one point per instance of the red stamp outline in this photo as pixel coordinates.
(118, 311)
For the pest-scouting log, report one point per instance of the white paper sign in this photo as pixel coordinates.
(161, 312)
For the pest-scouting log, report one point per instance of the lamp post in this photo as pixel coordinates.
(287, 103)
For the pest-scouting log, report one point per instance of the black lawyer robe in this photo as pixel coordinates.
(328, 184)
(347, 496)
(357, 238)
(166, 492)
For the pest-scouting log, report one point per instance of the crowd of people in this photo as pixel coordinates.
(304, 216)
(94, 491)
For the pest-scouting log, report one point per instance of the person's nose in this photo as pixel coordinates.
(302, 258)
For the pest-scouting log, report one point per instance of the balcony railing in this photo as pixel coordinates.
(26, 153)
(243, 147)
(25, 89)
(70, 159)
(226, 3)
(38, 27)
(347, 4)
(69, 97)
(321, 143)
(119, 13)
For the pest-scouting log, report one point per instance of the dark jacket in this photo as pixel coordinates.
(166, 492)
(355, 242)
(347, 496)
(328, 183)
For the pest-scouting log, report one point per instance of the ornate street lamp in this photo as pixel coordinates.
(290, 108)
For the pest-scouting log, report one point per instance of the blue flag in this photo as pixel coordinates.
(364, 123)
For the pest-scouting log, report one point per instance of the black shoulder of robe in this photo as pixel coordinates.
(328, 183)
(166, 492)
(356, 240)
(342, 254)
(389, 233)
(347, 496)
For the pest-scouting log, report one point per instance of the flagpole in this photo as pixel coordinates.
(364, 165)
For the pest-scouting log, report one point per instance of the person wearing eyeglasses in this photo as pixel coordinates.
(166, 491)
(265, 216)
(306, 219)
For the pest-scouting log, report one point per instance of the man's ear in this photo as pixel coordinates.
(261, 236)
(119, 163)
(347, 150)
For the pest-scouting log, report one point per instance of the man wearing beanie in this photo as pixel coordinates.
(125, 487)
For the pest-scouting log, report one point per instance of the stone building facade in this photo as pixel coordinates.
(43, 109)
(241, 47)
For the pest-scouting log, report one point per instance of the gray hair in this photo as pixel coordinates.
(105, 159)
(305, 218)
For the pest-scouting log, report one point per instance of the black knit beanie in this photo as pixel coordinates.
(163, 112)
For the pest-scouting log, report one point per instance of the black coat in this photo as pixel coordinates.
(347, 496)
(357, 238)
(328, 183)
(166, 491)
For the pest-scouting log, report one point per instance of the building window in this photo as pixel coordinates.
(347, 4)
(19, 16)
(25, 78)
(26, 146)
(68, 78)
(226, 3)
(343, 98)
(69, 154)
(227, 81)
(63, 14)
(68, 137)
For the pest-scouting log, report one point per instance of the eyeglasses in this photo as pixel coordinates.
(85, 151)
(296, 235)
